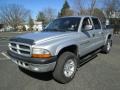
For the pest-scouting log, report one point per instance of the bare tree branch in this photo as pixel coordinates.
(111, 6)
(79, 7)
(49, 14)
(93, 2)
(13, 15)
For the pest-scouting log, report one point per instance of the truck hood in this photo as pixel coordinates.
(44, 36)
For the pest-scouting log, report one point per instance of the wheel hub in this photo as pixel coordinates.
(69, 68)
(108, 46)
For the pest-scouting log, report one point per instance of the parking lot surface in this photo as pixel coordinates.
(101, 73)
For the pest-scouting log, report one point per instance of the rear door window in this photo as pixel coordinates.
(96, 23)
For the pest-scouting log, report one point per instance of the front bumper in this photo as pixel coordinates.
(33, 64)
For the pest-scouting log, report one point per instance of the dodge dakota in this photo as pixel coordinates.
(60, 46)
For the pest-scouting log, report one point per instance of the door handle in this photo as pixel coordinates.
(85, 42)
(101, 33)
(93, 35)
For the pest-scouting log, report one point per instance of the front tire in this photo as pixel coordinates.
(66, 67)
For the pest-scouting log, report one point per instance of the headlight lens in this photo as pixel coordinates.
(40, 53)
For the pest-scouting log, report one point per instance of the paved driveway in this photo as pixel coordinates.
(101, 73)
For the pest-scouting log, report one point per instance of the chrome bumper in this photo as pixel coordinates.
(33, 64)
(36, 67)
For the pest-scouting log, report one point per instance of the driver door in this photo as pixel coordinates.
(86, 37)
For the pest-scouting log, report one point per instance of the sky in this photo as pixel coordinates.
(38, 5)
(35, 5)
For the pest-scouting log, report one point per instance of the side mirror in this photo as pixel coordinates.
(88, 27)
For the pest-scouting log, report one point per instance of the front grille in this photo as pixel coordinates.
(20, 48)
(24, 47)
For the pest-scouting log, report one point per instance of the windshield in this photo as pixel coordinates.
(64, 24)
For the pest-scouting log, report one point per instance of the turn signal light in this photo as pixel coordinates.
(41, 55)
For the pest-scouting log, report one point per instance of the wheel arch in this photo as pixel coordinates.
(109, 36)
(72, 48)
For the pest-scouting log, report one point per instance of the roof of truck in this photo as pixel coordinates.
(82, 16)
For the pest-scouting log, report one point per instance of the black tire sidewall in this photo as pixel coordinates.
(59, 70)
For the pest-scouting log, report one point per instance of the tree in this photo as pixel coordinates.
(65, 11)
(111, 6)
(13, 15)
(41, 16)
(99, 13)
(79, 8)
(47, 15)
(24, 28)
(93, 2)
(31, 23)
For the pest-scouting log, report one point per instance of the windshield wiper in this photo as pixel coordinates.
(58, 30)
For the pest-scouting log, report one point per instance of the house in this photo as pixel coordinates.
(115, 15)
(24, 27)
(36, 27)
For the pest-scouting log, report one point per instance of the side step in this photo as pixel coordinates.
(83, 60)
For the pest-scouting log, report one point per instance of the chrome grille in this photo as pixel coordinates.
(20, 48)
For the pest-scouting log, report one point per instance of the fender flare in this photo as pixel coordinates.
(59, 48)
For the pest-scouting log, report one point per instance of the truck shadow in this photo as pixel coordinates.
(40, 76)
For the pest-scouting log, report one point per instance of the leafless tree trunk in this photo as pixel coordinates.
(79, 7)
(111, 6)
(93, 2)
(49, 14)
(13, 15)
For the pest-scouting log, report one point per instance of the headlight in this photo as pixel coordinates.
(40, 53)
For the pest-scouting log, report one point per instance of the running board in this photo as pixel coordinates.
(88, 57)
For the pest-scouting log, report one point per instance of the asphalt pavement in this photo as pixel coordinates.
(101, 73)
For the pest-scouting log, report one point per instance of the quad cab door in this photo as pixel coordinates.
(98, 34)
(86, 36)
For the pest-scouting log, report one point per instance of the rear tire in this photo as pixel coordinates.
(66, 67)
(107, 47)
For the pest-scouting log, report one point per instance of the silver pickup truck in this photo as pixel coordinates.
(60, 46)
